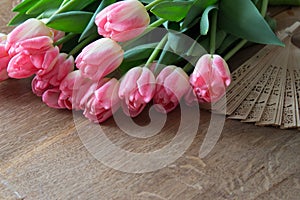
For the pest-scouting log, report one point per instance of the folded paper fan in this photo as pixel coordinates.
(265, 90)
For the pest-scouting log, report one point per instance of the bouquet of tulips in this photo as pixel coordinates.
(88, 55)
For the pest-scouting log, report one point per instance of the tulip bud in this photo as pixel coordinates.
(210, 78)
(77, 89)
(61, 68)
(122, 21)
(104, 102)
(4, 58)
(50, 98)
(39, 86)
(67, 87)
(20, 66)
(57, 34)
(171, 84)
(53, 78)
(136, 90)
(99, 58)
(31, 32)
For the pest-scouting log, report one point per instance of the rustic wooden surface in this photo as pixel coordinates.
(42, 156)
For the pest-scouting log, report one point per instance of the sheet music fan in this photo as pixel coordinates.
(265, 90)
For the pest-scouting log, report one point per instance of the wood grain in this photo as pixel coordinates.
(42, 156)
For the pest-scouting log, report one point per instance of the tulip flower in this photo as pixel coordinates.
(23, 65)
(44, 62)
(122, 21)
(104, 102)
(67, 87)
(62, 67)
(32, 32)
(210, 78)
(82, 95)
(65, 101)
(50, 98)
(57, 34)
(190, 97)
(74, 88)
(54, 98)
(20, 66)
(99, 58)
(172, 84)
(77, 90)
(4, 58)
(136, 90)
(39, 86)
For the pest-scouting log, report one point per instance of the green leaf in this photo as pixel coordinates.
(204, 23)
(91, 27)
(137, 56)
(220, 37)
(73, 21)
(174, 11)
(73, 5)
(44, 5)
(147, 1)
(140, 52)
(228, 42)
(19, 19)
(65, 2)
(24, 6)
(241, 18)
(196, 10)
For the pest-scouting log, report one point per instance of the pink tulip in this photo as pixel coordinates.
(57, 34)
(32, 33)
(104, 102)
(34, 46)
(190, 97)
(210, 78)
(4, 58)
(62, 67)
(23, 65)
(50, 98)
(82, 95)
(67, 88)
(136, 90)
(65, 101)
(54, 98)
(99, 59)
(171, 84)
(20, 66)
(77, 90)
(39, 86)
(44, 62)
(122, 21)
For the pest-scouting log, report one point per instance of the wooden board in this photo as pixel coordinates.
(42, 156)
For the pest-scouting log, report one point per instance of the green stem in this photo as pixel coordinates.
(263, 12)
(188, 67)
(235, 49)
(83, 44)
(213, 32)
(157, 23)
(156, 51)
(264, 7)
(64, 39)
(150, 5)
